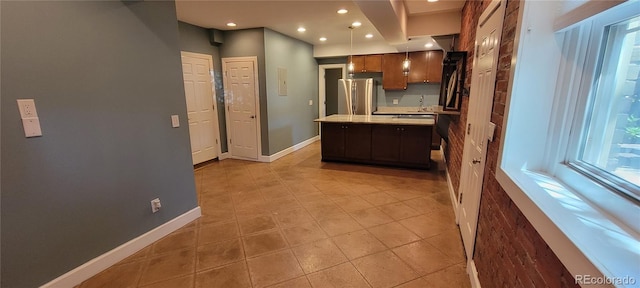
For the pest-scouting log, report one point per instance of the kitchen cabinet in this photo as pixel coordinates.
(367, 63)
(332, 144)
(404, 145)
(392, 77)
(426, 67)
(386, 144)
(346, 141)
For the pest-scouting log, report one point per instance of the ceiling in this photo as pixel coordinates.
(318, 17)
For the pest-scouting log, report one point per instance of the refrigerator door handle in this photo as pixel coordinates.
(354, 93)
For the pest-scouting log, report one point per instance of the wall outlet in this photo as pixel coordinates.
(395, 101)
(27, 108)
(29, 116)
(155, 205)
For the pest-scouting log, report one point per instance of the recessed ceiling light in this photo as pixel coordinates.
(428, 45)
(343, 11)
(231, 24)
(301, 29)
(369, 35)
(432, 1)
(356, 24)
(323, 39)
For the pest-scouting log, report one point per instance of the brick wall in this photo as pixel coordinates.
(509, 251)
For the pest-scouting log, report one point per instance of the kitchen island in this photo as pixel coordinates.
(377, 139)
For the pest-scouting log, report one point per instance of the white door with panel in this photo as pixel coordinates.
(480, 105)
(241, 98)
(201, 111)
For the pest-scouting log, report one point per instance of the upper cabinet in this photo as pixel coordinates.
(426, 67)
(392, 77)
(367, 63)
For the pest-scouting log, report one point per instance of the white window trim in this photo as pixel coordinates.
(587, 239)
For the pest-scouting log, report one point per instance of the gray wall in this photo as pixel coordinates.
(244, 43)
(196, 39)
(105, 77)
(290, 117)
(411, 96)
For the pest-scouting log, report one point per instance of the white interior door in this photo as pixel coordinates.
(480, 104)
(201, 111)
(242, 107)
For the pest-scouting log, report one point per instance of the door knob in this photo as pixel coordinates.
(475, 161)
(253, 116)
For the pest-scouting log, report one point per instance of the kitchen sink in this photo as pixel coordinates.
(416, 116)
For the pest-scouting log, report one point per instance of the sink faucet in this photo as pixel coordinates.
(421, 103)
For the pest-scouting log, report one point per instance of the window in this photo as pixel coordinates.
(567, 154)
(609, 147)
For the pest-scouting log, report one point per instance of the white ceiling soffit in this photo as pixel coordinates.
(401, 20)
(388, 16)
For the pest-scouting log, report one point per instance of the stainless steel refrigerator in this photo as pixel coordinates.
(356, 96)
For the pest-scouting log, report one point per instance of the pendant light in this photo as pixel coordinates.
(351, 68)
(406, 64)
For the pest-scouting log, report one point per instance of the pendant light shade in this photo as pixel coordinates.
(351, 68)
(406, 64)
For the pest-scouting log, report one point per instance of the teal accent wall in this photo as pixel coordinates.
(105, 76)
(290, 117)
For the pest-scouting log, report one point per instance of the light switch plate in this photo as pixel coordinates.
(175, 121)
(395, 101)
(310, 102)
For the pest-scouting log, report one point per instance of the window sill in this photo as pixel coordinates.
(585, 239)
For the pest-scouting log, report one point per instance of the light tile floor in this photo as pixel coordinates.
(300, 222)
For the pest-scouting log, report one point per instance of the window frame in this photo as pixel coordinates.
(535, 120)
(592, 47)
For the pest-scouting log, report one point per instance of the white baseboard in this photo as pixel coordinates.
(289, 150)
(473, 274)
(106, 260)
(452, 194)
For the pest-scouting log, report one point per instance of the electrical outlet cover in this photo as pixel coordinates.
(31, 127)
(27, 108)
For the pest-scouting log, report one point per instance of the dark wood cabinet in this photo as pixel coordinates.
(387, 143)
(397, 145)
(415, 145)
(434, 67)
(418, 70)
(406, 145)
(426, 67)
(346, 141)
(392, 77)
(357, 141)
(332, 144)
(367, 63)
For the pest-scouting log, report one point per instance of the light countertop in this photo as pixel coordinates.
(375, 119)
(413, 111)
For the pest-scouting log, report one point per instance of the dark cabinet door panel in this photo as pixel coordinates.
(386, 143)
(332, 143)
(415, 144)
(358, 141)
